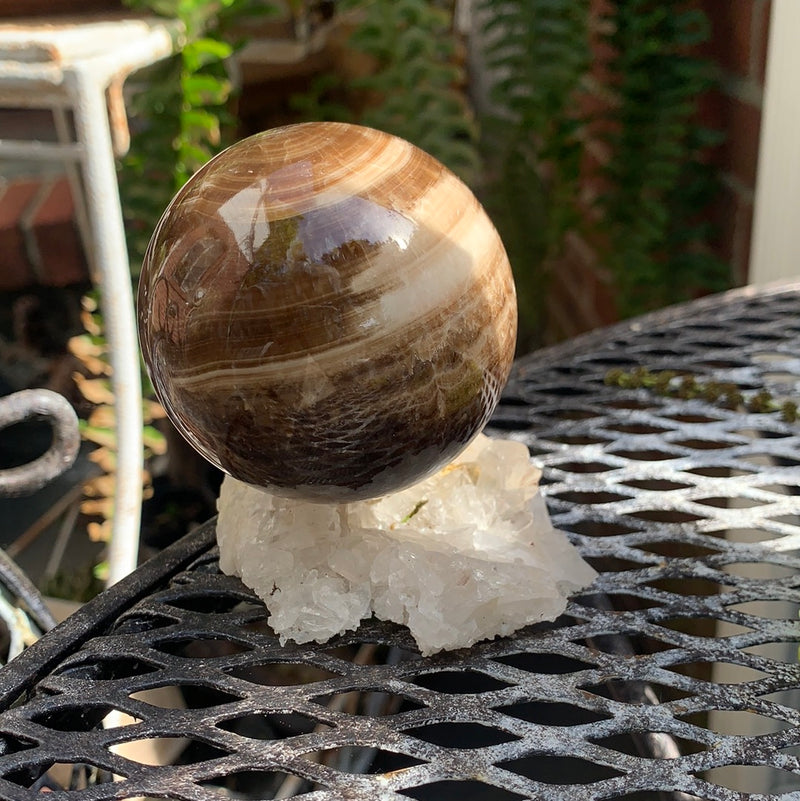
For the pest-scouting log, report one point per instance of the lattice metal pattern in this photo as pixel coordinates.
(678, 664)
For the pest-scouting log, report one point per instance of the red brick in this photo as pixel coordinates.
(731, 34)
(605, 301)
(724, 216)
(761, 40)
(740, 263)
(740, 150)
(732, 217)
(581, 297)
(62, 260)
(15, 269)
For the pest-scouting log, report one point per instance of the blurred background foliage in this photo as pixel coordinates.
(523, 147)
(508, 101)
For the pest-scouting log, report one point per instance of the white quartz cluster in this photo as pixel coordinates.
(465, 555)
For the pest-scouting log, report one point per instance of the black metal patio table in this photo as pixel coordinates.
(675, 676)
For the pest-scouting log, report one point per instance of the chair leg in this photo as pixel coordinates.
(64, 135)
(111, 257)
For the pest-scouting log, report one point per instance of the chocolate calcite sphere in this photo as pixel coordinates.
(327, 312)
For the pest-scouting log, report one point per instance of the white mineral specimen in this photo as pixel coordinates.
(463, 556)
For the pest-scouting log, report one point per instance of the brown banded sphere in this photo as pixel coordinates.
(326, 311)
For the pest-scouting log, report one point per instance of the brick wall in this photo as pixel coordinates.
(582, 295)
(39, 240)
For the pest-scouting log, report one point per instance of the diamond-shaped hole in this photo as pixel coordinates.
(651, 745)
(722, 502)
(374, 703)
(460, 791)
(747, 535)
(611, 564)
(269, 726)
(636, 692)
(579, 439)
(208, 648)
(734, 722)
(743, 778)
(656, 484)
(781, 489)
(111, 668)
(666, 516)
(725, 364)
(280, 674)
(762, 433)
(770, 609)
(209, 602)
(508, 399)
(724, 672)
(254, 785)
(613, 361)
(715, 471)
(360, 653)
(676, 549)
(461, 735)
(150, 750)
(595, 498)
(364, 759)
(584, 467)
(569, 413)
(703, 626)
(515, 423)
(458, 682)
(568, 390)
(31, 774)
(653, 795)
(547, 664)
(770, 460)
(618, 600)
(600, 528)
(547, 713)
(645, 455)
(625, 642)
(638, 428)
(789, 520)
(690, 417)
(701, 587)
(628, 403)
(755, 570)
(13, 743)
(83, 717)
(143, 621)
(771, 357)
(551, 769)
(193, 696)
(777, 651)
(696, 444)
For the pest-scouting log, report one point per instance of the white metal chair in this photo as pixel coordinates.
(80, 64)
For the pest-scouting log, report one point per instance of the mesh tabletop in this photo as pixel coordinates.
(675, 676)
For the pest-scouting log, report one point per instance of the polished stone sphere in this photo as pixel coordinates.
(327, 312)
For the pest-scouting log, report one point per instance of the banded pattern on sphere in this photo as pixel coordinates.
(327, 311)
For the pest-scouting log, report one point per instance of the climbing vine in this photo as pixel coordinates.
(649, 222)
(183, 112)
(413, 88)
(659, 180)
(532, 137)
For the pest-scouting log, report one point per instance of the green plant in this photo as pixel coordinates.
(180, 116)
(672, 384)
(413, 87)
(649, 223)
(99, 428)
(532, 138)
(659, 182)
(183, 115)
